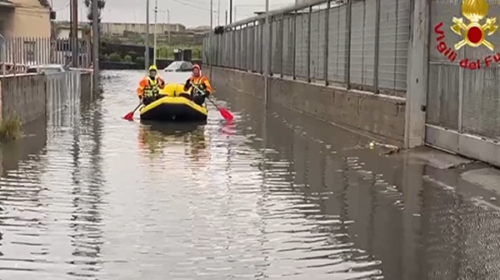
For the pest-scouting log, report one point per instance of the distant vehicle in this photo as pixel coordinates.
(48, 69)
(179, 66)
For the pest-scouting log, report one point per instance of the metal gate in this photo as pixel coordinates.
(463, 97)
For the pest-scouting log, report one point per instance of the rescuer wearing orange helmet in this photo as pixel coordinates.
(199, 86)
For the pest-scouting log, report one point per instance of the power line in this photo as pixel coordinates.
(192, 6)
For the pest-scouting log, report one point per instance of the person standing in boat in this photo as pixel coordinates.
(149, 87)
(201, 89)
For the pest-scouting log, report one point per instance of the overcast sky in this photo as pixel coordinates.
(190, 13)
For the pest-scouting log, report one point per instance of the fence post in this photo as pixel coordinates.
(269, 58)
(294, 45)
(271, 49)
(347, 73)
(327, 38)
(309, 44)
(233, 48)
(417, 74)
(262, 56)
(282, 30)
(377, 48)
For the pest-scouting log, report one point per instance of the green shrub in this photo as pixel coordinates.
(127, 58)
(114, 57)
(140, 61)
(11, 128)
(132, 54)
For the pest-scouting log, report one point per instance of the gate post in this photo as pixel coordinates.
(417, 75)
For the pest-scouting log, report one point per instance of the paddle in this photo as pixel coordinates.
(223, 111)
(130, 115)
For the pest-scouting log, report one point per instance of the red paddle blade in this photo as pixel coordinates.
(129, 116)
(226, 114)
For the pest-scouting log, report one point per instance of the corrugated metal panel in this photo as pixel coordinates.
(337, 44)
(237, 49)
(258, 48)
(363, 43)
(481, 104)
(301, 46)
(275, 50)
(248, 46)
(442, 108)
(288, 46)
(393, 44)
(317, 37)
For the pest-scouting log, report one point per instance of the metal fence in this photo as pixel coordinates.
(356, 43)
(19, 52)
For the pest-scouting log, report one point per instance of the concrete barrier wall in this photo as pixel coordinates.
(375, 114)
(23, 95)
(34, 96)
(86, 87)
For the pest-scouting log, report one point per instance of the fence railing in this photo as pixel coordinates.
(361, 44)
(19, 52)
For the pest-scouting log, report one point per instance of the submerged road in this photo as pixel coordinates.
(273, 196)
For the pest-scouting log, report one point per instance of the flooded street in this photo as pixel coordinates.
(271, 196)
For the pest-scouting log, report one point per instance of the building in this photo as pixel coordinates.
(118, 28)
(62, 30)
(25, 29)
(25, 18)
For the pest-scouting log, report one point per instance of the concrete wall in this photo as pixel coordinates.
(86, 87)
(23, 95)
(29, 95)
(373, 114)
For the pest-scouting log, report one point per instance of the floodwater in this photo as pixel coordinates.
(272, 196)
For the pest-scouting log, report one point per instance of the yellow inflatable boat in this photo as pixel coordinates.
(175, 106)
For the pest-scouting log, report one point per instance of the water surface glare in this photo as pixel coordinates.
(95, 197)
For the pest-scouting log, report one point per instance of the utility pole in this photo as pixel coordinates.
(146, 59)
(156, 22)
(225, 21)
(95, 44)
(230, 11)
(211, 36)
(169, 27)
(74, 33)
(267, 52)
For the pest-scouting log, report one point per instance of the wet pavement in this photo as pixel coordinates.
(274, 195)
